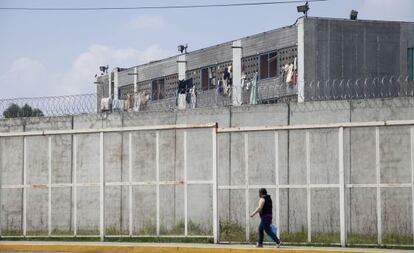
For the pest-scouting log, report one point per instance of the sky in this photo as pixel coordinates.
(58, 53)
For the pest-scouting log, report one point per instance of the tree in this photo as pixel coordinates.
(15, 111)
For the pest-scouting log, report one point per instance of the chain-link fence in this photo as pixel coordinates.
(48, 106)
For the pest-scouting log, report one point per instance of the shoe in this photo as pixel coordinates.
(278, 244)
(258, 245)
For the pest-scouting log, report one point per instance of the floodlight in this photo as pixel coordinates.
(104, 68)
(182, 48)
(354, 15)
(304, 9)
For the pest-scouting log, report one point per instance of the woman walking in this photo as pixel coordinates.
(265, 210)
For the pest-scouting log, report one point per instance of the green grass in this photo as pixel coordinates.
(37, 232)
(197, 229)
(11, 232)
(301, 236)
(93, 231)
(162, 239)
(362, 239)
(149, 228)
(232, 231)
(326, 237)
(57, 231)
(177, 229)
(115, 231)
(401, 239)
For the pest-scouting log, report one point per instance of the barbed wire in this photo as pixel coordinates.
(268, 91)
(48, 106)
(362, 88)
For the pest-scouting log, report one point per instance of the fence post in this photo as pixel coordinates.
(74, 182)
(157, 158)
(246, 181)
(308, 190)
(378, 175)
(50, 186)
(215, 183)
(341, 186)
(185, 186)
(102, 188)
(277, 182)
(412, 176)
(130, 182)
(24, 184)
(1, 183)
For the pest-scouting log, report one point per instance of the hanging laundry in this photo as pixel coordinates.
(182, 86)
(288, 69)
(225, 87)
(137, 102)
(181, 104)
(253, 92)
(193, 96)
(117, 105)
(243, 79)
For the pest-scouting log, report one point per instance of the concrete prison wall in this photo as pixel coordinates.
(76, 158)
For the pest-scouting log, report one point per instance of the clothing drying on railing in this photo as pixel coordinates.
(140, 101)
(224, 83)
(290, 72)
(186, 94)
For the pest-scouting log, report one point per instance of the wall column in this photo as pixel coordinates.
(182, 66)
(116, 83)
(135, 80)
(237, 72)
(301, 60)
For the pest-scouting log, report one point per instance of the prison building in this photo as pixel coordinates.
(319, 49)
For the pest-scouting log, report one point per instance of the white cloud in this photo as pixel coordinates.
(80, 78)
(28, 77)
(147, 22)
(388, 10)
(25, 77)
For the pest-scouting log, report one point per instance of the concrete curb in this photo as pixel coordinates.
(79, 248)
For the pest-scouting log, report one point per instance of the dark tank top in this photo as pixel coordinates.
(267, 207)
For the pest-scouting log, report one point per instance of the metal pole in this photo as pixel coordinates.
(342, 186)
(378, 174)
(157, 158)
(185, 186)
(102, 189)
(215, 192)
(412, 177)
(277, 182)
(24, 183)
(246, 180)
(74, 180)
(130, 182)
(50, 188)
(308, 190)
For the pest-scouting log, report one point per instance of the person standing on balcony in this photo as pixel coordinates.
(265, 210)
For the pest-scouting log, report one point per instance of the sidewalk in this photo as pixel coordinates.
(20, 246)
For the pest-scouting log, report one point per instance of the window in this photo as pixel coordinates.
(208, 78)
(204, 79)
(268, 65)
(158, 89)
(410, 63)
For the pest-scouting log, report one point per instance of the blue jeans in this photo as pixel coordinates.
(265, 226)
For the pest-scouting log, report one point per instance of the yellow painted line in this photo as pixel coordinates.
(156, 249)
